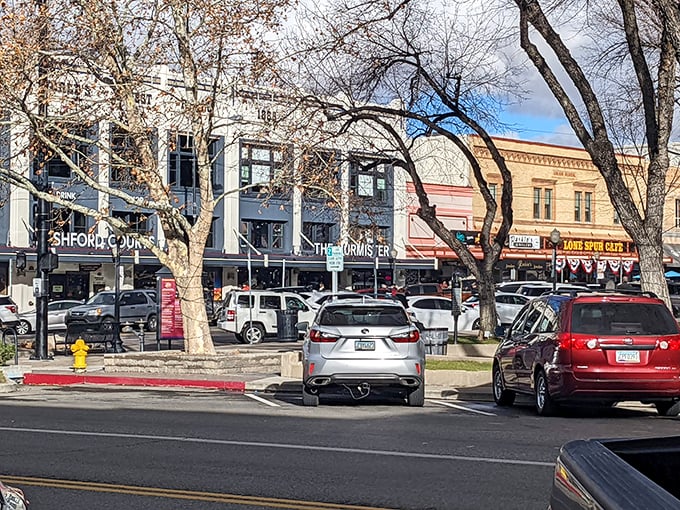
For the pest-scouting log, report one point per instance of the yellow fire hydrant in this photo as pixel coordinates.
(79, 350)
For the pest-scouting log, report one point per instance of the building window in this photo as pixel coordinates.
(66, 220)
(537, 203)
(317, 232)
(493, 188)
(262, 166)
(125, 157)
(368, 179)
(183, 171)
(545, 205)
(677, 213)
(267, 235)
(319, 173)
(372, 234)
(75, 148)
(578, 198)
(137, 222)
(617, 219)
(587, 207)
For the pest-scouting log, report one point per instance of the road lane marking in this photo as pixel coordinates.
(462, 408)
(212, 497)
(262, 400)
(284, 446)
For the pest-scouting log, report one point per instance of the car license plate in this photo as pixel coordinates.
(364, 345)
(628, 356)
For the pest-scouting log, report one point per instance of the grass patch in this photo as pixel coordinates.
(469, 365)
(473, 340)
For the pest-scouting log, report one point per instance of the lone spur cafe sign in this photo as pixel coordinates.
(595, 245)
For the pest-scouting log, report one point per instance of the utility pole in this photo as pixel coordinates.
(42, 217)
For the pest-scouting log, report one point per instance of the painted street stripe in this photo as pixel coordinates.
(262, 400)
(284, 446)
(462, 408)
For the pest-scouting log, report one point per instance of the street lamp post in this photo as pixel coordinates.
(555, 241)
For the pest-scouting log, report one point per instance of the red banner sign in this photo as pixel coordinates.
(170, 326)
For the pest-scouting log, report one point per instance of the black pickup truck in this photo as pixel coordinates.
(617, 474)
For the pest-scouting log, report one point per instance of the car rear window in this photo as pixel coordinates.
(630, 319)
(363, 316)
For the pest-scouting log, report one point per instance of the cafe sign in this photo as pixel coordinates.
(591, 245)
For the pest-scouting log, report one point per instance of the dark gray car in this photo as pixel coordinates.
(135, 306)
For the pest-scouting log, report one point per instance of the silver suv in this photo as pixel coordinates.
(356, 345)
(8, 313)
(135, 306)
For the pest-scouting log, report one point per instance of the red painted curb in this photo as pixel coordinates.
(71, 379)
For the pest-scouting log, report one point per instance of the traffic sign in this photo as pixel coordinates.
(335, 259)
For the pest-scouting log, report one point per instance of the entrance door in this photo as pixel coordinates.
(77, 286)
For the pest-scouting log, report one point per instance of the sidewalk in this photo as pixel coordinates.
(270, 367)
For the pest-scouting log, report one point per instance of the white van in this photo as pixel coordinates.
(252, 315)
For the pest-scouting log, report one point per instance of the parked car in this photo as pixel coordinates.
(435, 312)
(252, 314)
(99, 310)
(430, 289)
(9, 318)
(597, 347)
(513, 287)
(355, 345)
(56, 316)
(537, 289)
(507, 305)
(319, 298)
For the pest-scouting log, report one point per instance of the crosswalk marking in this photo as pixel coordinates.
(262, 400)
(462, 408)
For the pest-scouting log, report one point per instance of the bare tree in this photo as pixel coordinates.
(644, 44)
(97, 85)
(411, 70)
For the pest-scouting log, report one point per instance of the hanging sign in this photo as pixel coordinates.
(170, 319)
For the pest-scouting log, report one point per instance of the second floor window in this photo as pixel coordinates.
(578, 201)
(543, 203)
(677, 213)
(587, 207)
(66, 220)
(316, 233)
(368, 179)
(73, 143)
(137, 222)
(262, 167)
(267, 235)
(183, 172)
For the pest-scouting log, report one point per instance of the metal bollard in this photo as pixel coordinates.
(141, 336)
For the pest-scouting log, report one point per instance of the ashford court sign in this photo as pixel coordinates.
(93, 241)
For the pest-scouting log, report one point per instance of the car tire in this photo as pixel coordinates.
(107, 324)
(667, 408)
(253, 333)
(477, 324)
(502, 396)
(152, 323)
(416, 398)
(239, 338)
(545, 405)
(23, 328)
(309, 399)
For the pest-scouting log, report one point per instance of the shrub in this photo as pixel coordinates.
(6, 353)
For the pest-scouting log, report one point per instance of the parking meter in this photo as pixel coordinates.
(456, 295)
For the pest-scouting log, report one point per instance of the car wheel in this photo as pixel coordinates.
(309, 399)
(667, 408)
(477, 324)
(152, 323)
(545, 405)
(501, 396)
(24, 328)
(253, 333)
(416, 398)
(107, 324)
(239, 338)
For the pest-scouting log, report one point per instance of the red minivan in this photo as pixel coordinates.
(595, 347)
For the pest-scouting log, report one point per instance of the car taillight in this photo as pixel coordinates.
(564, 341)
(672, 345)
(231, 315)
(411, 338)
(319, 337)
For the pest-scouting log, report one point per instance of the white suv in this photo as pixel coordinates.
(252, 315)
(8, 313)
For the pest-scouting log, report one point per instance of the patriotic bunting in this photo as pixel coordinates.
(615, 265)
(574, 264)
(628, 265)
(560, 262)
(587, 265)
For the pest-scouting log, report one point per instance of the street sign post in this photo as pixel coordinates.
(335, 262)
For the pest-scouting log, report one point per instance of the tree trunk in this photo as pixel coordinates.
(652, 272)
(487, 303)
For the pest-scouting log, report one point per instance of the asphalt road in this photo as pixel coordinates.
(114, 448)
